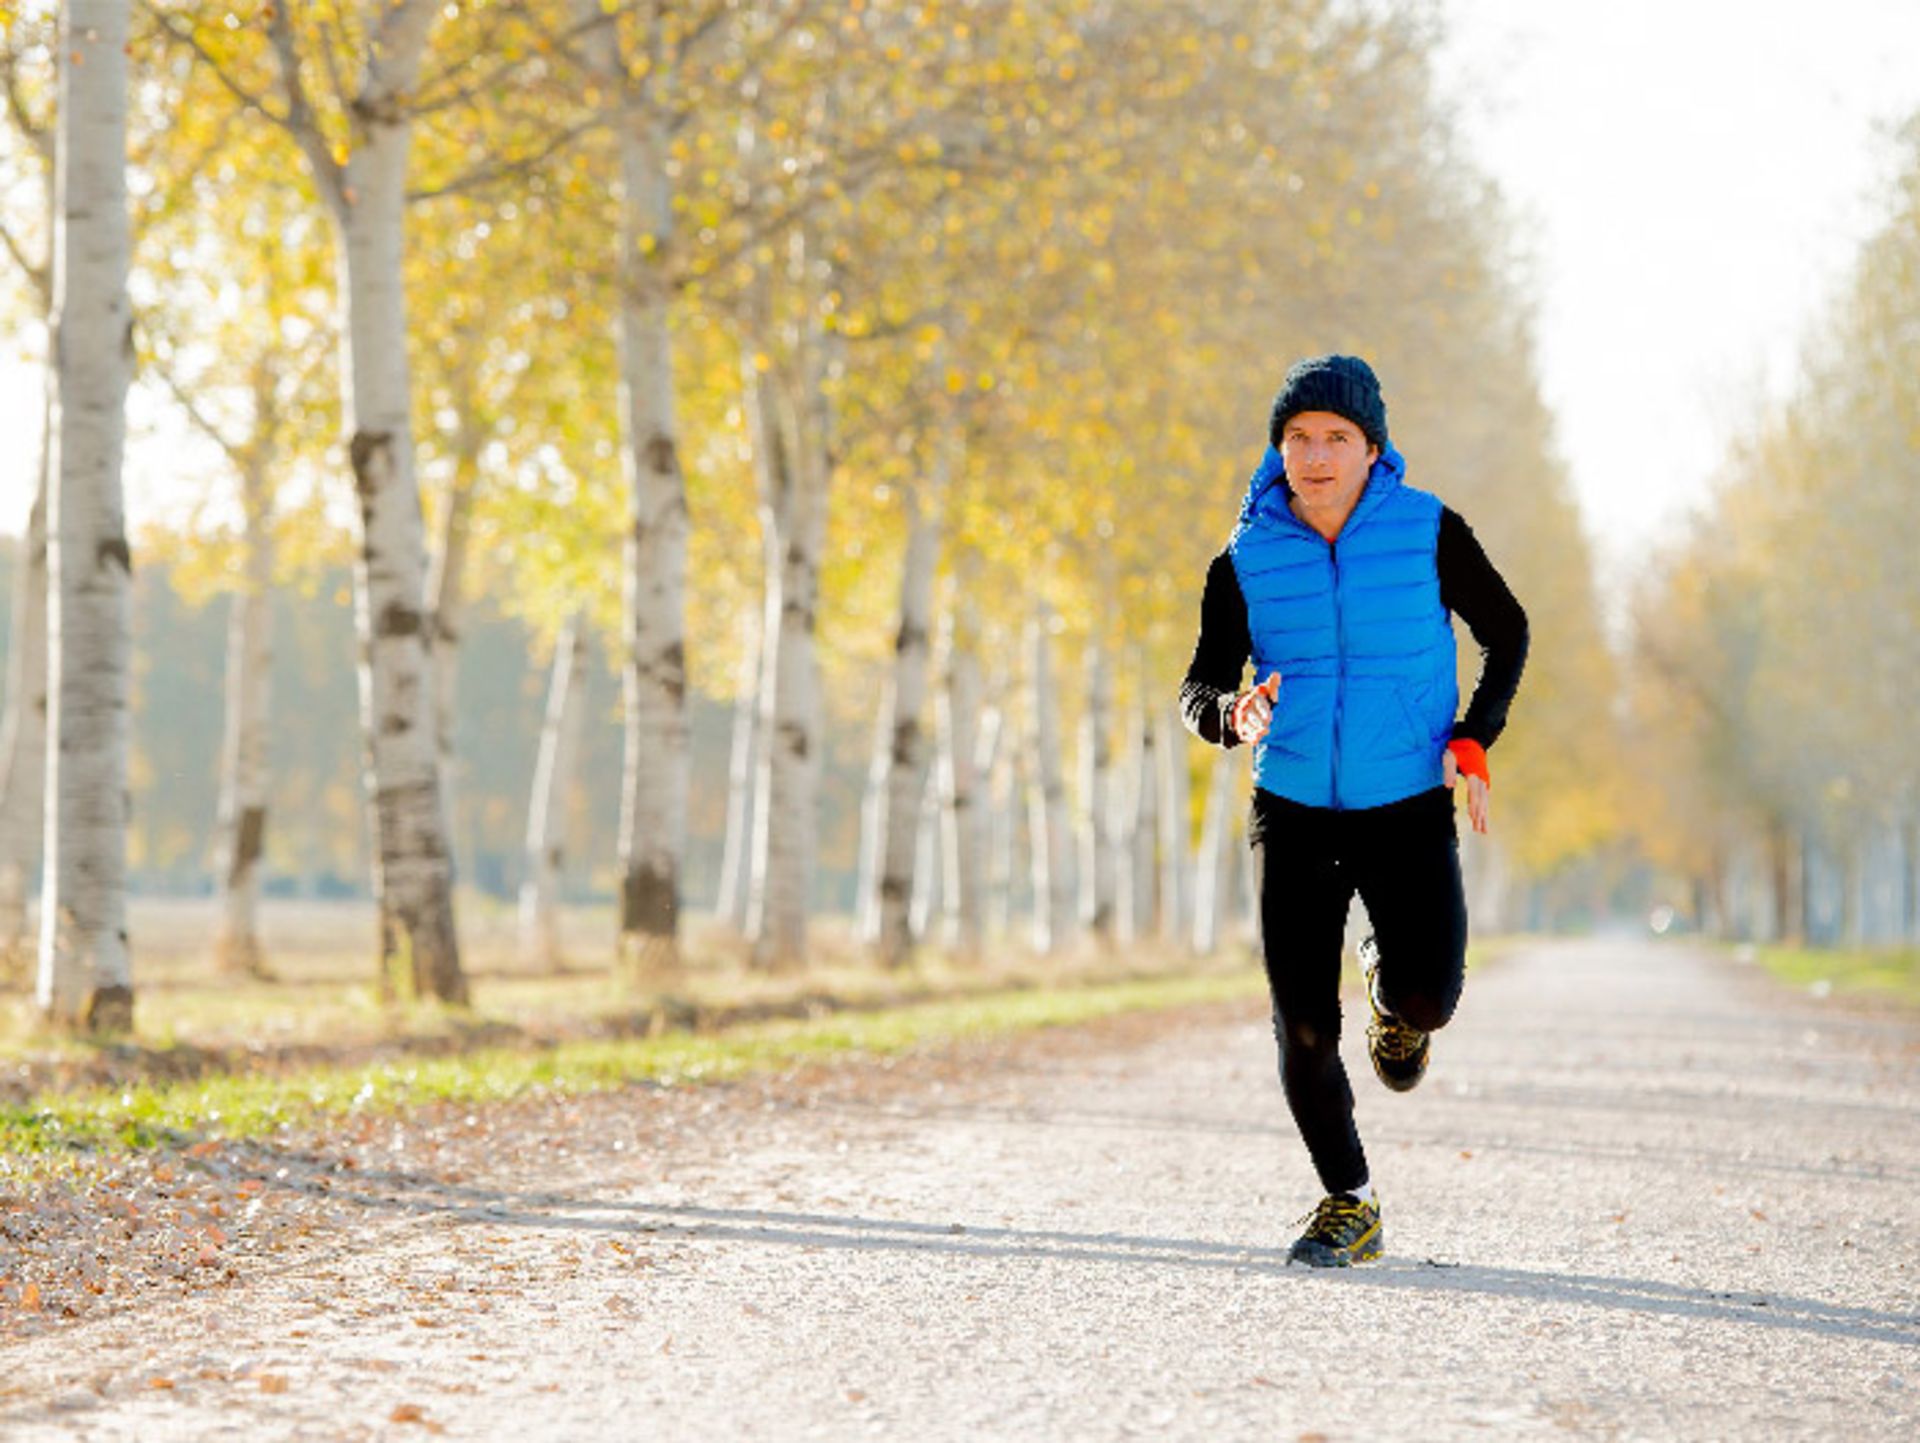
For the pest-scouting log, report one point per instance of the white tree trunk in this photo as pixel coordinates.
(653, 796)
(86, 974)
(243, 769)
(446, 606)
(793, 525)
(23, 736)
(413, 867)
(1098, 881)
(1176, 841)
(968, 740)
(907, 771)
(1051, 841)
(1212, 873)
(873, 822)
(553, 770)
(1139, 832)
(1006, 784)
(742, 769)
(929, 876)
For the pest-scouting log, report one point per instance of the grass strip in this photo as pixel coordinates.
(240, 1105)
(1878, 972)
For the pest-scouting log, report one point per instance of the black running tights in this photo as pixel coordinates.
(1404, 862)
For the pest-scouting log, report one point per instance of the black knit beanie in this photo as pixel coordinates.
(1344, 385)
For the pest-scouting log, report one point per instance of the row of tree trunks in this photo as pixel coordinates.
(85, 973)
(961, 848)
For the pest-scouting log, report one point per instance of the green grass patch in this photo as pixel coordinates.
(245, 1105)
(1882, 972)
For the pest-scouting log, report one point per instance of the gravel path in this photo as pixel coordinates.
(1643, 1193)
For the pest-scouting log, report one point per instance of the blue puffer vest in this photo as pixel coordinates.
(1356, 630)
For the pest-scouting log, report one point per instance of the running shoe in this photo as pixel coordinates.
(1340, 1232)
(1399, 1052)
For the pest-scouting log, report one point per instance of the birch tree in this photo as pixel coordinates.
(1140, 900)
(366, 196)
(243, 766)
(447, 566)
(86, 975)
(546, 811)
(348, 91)
(1176, 837)
(899, 820)
(654, 789)
(793, 480)
(742, 771)
(27, 240)
(1051, 841)
(1099, 880)
(969, 738)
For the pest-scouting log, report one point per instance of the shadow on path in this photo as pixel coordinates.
(865, 1234)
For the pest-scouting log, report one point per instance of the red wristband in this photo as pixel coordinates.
(1471, 757)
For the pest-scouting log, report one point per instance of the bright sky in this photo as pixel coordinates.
(1692, 178)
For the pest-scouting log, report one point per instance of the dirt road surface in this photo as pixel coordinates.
(1644, 1194)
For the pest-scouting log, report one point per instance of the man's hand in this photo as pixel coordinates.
(1253, 710)
(1477, 779)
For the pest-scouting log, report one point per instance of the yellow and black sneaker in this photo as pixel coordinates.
(1341, 1232)
(1399, 1052)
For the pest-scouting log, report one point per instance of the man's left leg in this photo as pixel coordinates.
(1408, 875)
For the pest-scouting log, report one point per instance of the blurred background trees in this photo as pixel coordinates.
(818, 418)
(1777, 646)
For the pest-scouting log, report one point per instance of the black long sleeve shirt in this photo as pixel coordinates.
(1469, 587)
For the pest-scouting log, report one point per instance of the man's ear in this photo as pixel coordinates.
(1373, 454)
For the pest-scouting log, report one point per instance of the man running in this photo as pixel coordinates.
(1337, 583)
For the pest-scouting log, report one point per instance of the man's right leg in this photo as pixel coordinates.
(1304, 896)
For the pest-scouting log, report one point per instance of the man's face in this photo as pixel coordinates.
(1327, 458)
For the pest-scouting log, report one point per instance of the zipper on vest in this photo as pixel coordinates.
(1339, 667)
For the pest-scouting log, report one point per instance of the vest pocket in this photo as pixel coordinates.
(1418, 736)
(1302, 713)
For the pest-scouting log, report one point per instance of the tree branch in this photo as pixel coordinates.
(186, 36)
(486, 175)
(41, 276)
(38, 134)
(301, 123)
(205, 424)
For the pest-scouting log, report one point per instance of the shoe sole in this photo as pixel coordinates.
(1396, 1084)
